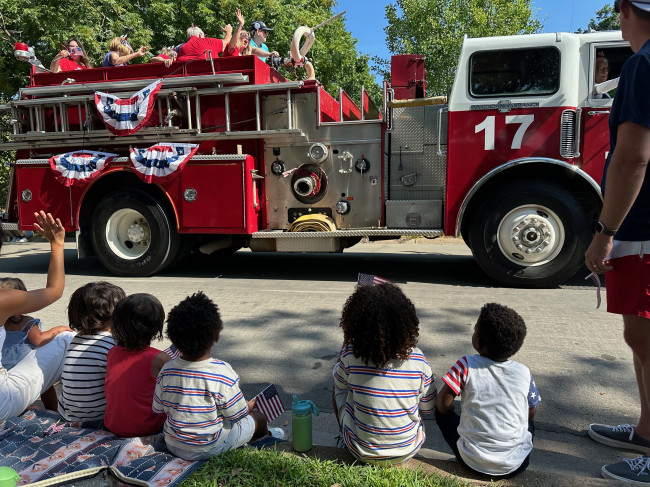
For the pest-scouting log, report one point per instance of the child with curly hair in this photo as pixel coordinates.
(494, 433)
(382, 381)
(206, 411)
(90, 313)
(133, 366)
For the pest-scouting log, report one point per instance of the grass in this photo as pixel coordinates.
(268, 467)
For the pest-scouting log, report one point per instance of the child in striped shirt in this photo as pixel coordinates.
(206, 411)
(84, 370)
(494, 433)
(382, 381)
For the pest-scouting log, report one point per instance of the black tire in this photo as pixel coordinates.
(132, 235)
(526, 210)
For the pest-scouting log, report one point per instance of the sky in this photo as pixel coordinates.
(365, 19)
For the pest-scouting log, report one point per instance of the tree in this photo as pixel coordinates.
(46, 24)
(606, 19)
(436, 29)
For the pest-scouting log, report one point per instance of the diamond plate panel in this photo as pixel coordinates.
(431, 170)
(408, 129)
(431, 125)
(310, 244)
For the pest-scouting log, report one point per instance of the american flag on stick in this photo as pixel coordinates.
(269, 403)
(172, 351)
(370, 280)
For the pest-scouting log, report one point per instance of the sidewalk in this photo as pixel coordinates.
(560, 458)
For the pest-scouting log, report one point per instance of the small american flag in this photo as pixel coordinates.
(269, 403)
(172, 351)
(370, 280)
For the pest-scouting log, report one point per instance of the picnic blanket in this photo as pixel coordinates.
(76, 448)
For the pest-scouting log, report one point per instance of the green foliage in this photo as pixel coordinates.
(606, 19)
(6, 157)
(258, 468)
(436, 28)
(46, 24)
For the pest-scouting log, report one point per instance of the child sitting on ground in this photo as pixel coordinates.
(24, 333)
(493, 435)
(382, 381)
(133, 366)
(206, 411)
(90, 313)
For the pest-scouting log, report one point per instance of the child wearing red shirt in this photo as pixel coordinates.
(133, 366)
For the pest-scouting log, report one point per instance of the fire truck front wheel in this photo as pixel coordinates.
(530, 234)
(132, 234)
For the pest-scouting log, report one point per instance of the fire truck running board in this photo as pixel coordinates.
(385, 232)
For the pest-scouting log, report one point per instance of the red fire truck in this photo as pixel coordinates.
(511, 162)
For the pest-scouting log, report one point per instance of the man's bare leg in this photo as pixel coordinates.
(637, 336)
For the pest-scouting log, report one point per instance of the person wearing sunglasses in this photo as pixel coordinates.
(71, 58)
(621, 245)
(240, 44)
(258, 36)
(120, 52)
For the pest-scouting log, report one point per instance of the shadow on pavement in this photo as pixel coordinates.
(423, 267)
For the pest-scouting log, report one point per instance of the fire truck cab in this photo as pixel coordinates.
(512, 162)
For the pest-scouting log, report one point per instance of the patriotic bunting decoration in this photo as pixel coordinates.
(76, 168)
(161, 162)
(124, 117)
(370, 280)
(269, 403)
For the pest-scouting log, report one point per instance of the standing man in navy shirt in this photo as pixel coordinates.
(621, 246)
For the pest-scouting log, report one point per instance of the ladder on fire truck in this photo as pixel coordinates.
(44, 116)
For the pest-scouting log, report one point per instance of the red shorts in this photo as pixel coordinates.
(628, 286)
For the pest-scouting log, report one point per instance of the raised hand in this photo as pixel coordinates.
(240, 17)
(52, 229)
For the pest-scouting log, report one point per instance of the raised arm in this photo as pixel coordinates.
(227, 30)
(235, 36)
(54, 65)
(15, 302)
(116, 59)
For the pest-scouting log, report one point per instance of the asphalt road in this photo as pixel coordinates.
(281, 314)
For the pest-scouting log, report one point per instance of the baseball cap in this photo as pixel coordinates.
(642, 4)
(258, 24)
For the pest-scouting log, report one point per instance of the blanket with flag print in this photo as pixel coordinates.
(80, 167)
(161, 162)
(37, 451)
(124, 117)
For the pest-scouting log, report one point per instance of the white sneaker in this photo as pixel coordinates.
(22, 240)
(277, 433)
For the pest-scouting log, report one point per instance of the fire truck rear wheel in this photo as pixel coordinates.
(132, 235)
(530, 234)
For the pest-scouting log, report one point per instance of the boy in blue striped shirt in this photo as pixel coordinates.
(382, 381)
(206, 411)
